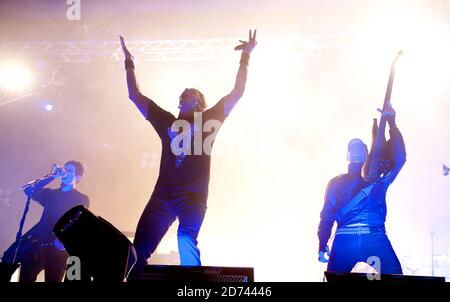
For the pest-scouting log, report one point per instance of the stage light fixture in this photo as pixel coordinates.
(15, 77)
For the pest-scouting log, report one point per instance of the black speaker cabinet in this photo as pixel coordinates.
(105, 253)
(364, 278)
(197, 273)
(7, 270)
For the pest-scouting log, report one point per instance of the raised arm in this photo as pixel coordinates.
(149, 109)
(34, 190)
(241, 78)
(134, 93)
(396, 146)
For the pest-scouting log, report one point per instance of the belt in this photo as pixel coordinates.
(360, 230)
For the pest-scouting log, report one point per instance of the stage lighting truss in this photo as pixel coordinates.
(159, 50)
(44, 80)
(171, 50)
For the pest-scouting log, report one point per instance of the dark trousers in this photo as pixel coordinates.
(49, 259)
(159, 214)
(348, 250)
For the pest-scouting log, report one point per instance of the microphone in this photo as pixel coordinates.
(31, 183)
(57, 170)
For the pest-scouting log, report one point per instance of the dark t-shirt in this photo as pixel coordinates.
(185, 173)
(56, 203)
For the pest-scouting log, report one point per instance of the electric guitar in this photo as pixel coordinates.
(26, 245)
(371, 168)
(373, 162)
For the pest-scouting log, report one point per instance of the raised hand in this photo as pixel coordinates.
(57, 172)
(388, 113)
(248, 46)
(127, 54)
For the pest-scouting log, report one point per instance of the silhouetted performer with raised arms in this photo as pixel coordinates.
(360, 209)
(39, 249)
(181, 190)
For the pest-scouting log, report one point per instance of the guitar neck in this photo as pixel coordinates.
(373, 173)
(387, 96)
(376, 152)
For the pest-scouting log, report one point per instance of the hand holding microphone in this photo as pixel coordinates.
(57, 172)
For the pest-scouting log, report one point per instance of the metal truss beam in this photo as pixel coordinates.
(168, 50)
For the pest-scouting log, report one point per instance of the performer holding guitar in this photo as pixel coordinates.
(357, 200)
(38, 249)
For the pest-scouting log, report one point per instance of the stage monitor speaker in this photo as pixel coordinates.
(364, 278)
(105, 253)
(197, 273)
(9, 272)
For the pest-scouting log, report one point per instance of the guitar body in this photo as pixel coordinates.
(19, 249)
(28, 246)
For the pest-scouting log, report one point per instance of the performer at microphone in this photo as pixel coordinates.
(39, 248)
(182, 187)
(360, 230)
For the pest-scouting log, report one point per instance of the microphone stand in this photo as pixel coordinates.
(27, 208)
(432, 235)
(19, 234)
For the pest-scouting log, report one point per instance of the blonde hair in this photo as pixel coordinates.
(200, 98)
